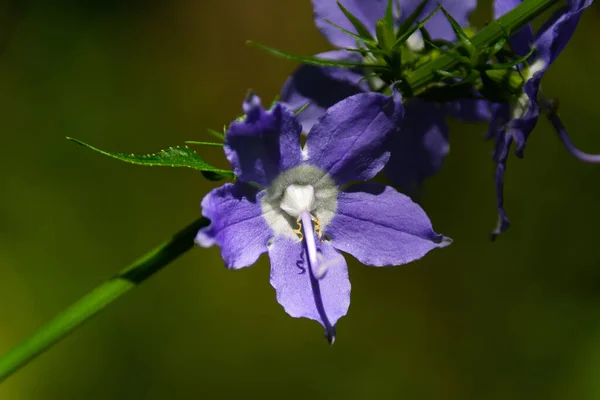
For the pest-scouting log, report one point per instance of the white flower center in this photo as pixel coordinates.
(298, 198)
(303, 188)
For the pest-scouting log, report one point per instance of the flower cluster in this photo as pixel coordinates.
(361, 115)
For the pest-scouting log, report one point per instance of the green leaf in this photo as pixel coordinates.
(360, 28)
(171, 157)
(314, 60)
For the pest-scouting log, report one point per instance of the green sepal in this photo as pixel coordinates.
(217, 134)
(501, 85)
(360, 39)
(171, 157)
(385, 35)
(315, 60)
(389, 15)
(462, 36)
(298, 111)
(404, 37)
(204, 143)
(411, 19)
(362, 31)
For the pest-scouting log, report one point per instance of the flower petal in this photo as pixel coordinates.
(264, 143)
(367, 11)
(381, 227)
(300, 293)
(321, 87)
(554, 35)
(469, 110)
(522, 40)
(420, 147)
(501, 155)
(350, 140)
(237, 224)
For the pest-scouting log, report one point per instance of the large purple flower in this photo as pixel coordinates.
(420, 148)
(514, 122)
(293, 202)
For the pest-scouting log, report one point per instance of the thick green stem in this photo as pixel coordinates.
(507, 24)
(96, 300)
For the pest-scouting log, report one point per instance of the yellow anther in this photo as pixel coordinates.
(317, 227)
(299, 230)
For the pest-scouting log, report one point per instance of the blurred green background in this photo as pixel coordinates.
(515, 319)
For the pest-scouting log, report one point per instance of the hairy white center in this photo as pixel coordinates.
(298, 198)
(304, 188)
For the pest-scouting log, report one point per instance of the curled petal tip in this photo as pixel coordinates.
(251, 103)
(330, 335)
(444, 241)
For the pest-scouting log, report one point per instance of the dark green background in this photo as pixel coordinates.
(515, 319)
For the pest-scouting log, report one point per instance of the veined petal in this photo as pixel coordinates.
(522, 40)
(264, 143)
(325, 300)
(349, 141)
(237, 225)
(321, 87)
(420, 147)
(381, 227)
(367, 11)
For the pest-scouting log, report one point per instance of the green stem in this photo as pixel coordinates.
(96, 300)
(504, 26)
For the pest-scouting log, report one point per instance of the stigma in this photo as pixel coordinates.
(297, 199)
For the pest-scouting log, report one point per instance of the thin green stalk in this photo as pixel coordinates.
(507, 24)
(96, 300)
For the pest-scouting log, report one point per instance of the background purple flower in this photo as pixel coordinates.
(514, 122)
(288, 201)
(422, 145)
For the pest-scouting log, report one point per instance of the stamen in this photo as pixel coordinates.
(299, 230)
(318, 228)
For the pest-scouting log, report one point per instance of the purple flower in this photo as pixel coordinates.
(514, 122)
(294, 202)
(420, 148)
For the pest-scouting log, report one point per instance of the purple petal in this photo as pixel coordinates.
(522, 40)
(367, 11)
(554, 35)
(350, 140)
(438, 26)
(321, 87)
(421, 146)
(237, 225)
(564, 137)
(381, 227)
(301, 295)
(501, 155)
(469, 110)
(264, 143)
